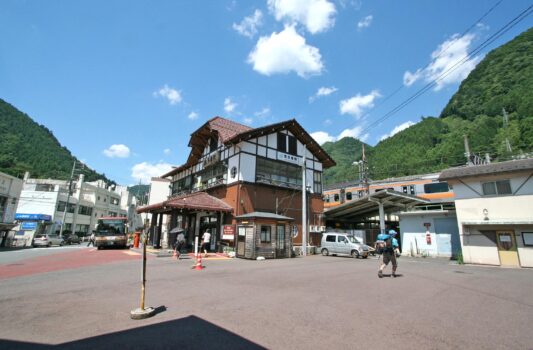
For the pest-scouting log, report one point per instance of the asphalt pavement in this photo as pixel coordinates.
(314, 302)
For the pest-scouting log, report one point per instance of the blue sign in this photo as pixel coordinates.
(29, 225)
(33, 217)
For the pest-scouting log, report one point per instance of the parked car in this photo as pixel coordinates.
(72, 238)
(338, 243)
(47, 240)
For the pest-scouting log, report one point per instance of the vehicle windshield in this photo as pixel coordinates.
(40, 236)
(353, 239)
(110, 228)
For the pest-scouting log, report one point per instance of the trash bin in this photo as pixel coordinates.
(136, 239)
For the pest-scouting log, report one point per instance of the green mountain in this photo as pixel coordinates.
(345, 152)
(28, 146)
(140, 192)
(502, 80)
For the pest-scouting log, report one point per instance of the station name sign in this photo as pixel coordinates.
(228, 232)
(289, 158)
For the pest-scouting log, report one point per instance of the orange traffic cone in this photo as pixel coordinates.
(199, 262)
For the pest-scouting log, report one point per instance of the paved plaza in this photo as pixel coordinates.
(302, 303)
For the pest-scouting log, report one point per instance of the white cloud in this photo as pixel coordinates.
(144, 171)
(316, 15)
(365, 22)
(248, 26)
(117, 151)
(172, 95)
(358, 104)
(444, 58)
(397, 129)
(328, 122)
(229, 106)
(263, 113)
(323, 91)
(322, 137)
(167, 151)
(248, 121)
(193, 116)
(284, 52)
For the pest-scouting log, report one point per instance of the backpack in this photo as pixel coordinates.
(383, 245)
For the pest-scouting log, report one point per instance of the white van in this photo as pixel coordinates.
(338, 243)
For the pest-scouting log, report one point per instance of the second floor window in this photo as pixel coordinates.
(495, 188)
(287, 144)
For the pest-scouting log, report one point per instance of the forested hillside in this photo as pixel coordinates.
(28, 146)
(502, 80)
(344, 152)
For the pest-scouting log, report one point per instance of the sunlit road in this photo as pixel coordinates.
(81, 298)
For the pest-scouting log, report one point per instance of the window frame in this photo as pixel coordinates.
(266, 234)
(494, 185)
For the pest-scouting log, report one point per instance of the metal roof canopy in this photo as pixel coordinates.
(369, 205)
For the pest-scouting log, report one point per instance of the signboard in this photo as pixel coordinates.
(294, 231)
(33, 217)
(29, 225)
(289, 158)
(228, 232)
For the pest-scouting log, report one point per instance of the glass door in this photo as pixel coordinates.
(280, 241)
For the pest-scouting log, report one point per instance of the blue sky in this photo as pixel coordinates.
(123, 84)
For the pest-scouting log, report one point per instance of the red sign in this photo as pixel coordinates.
(228, 232)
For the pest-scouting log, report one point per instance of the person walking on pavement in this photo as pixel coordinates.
(206, 239)
(91, 240)
(180, 242)
(389, 252)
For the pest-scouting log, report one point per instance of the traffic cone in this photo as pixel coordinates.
(175, 255)
(199, 262)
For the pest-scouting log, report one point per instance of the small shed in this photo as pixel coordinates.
(264, 234)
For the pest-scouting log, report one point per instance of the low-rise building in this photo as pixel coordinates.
(10, 188)
(45, 204)
(494, 205)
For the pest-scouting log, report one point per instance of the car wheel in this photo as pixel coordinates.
(366, 256)
(325, 252)
(355, 254)
(49, 244)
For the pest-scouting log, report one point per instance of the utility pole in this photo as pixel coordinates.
(364, 165)
(69, 190)
(467, 151)
(304, 203)
(506, 127)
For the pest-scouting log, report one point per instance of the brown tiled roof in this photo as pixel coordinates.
(194, 201)
(232, 132)
(226, 128)
(487, 169)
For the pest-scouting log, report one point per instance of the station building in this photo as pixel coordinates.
(245, 186)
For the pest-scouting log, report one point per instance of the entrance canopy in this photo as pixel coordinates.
(194, 201)
(368, 206)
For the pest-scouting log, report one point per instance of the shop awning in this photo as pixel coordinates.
(367, 206)
(193, 201)
(6, 227)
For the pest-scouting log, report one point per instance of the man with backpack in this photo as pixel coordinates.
(388, 246)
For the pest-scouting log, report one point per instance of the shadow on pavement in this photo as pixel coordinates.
(186, 333)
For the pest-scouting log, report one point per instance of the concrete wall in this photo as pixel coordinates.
(443, 231)
(10, 187)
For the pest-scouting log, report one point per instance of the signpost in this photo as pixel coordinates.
(142, 312)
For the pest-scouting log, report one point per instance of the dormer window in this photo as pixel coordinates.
(213, 144)
(287, 144)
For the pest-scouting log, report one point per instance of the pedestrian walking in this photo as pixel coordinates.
(206, 239)
(178, 245)
(388, 246)
(91, 240)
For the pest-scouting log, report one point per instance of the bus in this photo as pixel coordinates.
(111, 232)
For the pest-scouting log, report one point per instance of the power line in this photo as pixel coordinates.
(429, 85)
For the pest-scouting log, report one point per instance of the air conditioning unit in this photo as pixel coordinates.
(322, 229)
